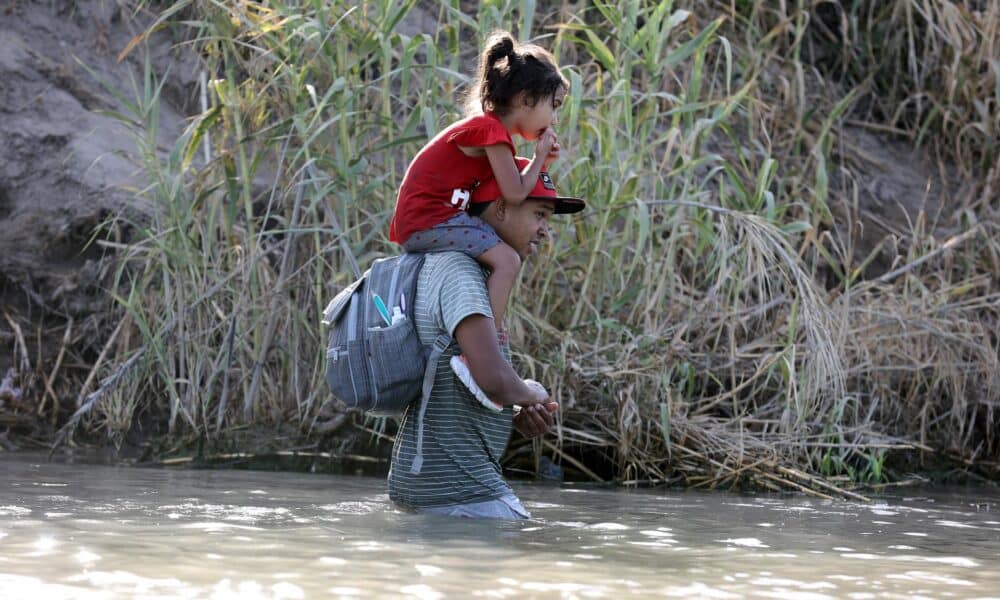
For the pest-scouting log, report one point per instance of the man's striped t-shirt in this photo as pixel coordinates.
(463, 441)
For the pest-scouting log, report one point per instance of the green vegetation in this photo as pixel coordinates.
(712, 319)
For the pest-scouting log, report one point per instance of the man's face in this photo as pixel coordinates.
(522, 227)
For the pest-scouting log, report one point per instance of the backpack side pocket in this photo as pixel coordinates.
(347, 370)
(347, 373)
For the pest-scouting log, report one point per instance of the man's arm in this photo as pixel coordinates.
(477, 336)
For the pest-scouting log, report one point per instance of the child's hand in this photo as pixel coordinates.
(545, 143)
(552, 157)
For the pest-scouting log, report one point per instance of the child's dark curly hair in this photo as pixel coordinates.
(507, 68)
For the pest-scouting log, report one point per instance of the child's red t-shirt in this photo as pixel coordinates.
(439, 182)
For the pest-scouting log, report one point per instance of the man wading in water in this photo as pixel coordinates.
(461, 441)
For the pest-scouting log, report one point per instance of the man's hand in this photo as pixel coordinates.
(535, 420)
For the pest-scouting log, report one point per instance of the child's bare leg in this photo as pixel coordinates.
(504, 264)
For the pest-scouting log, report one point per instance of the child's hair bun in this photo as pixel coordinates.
(500, 45)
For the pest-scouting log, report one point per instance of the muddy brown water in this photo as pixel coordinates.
(91, 531)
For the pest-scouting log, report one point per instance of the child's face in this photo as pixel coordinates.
(532, 121)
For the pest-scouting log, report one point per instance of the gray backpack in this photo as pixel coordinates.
(375, 360)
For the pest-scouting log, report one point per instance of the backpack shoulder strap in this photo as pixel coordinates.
(441, 343)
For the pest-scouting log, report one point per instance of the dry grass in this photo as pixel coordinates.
(708, 321)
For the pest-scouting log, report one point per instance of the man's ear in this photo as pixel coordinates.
(500, 209)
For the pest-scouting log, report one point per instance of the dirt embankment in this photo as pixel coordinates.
(65, 165)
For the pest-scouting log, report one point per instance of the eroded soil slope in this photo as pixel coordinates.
(65, 165)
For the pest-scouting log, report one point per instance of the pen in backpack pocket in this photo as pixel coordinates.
(382, 310)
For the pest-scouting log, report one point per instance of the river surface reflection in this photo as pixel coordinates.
(89, 531)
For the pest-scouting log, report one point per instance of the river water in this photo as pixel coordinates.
(91, 531)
